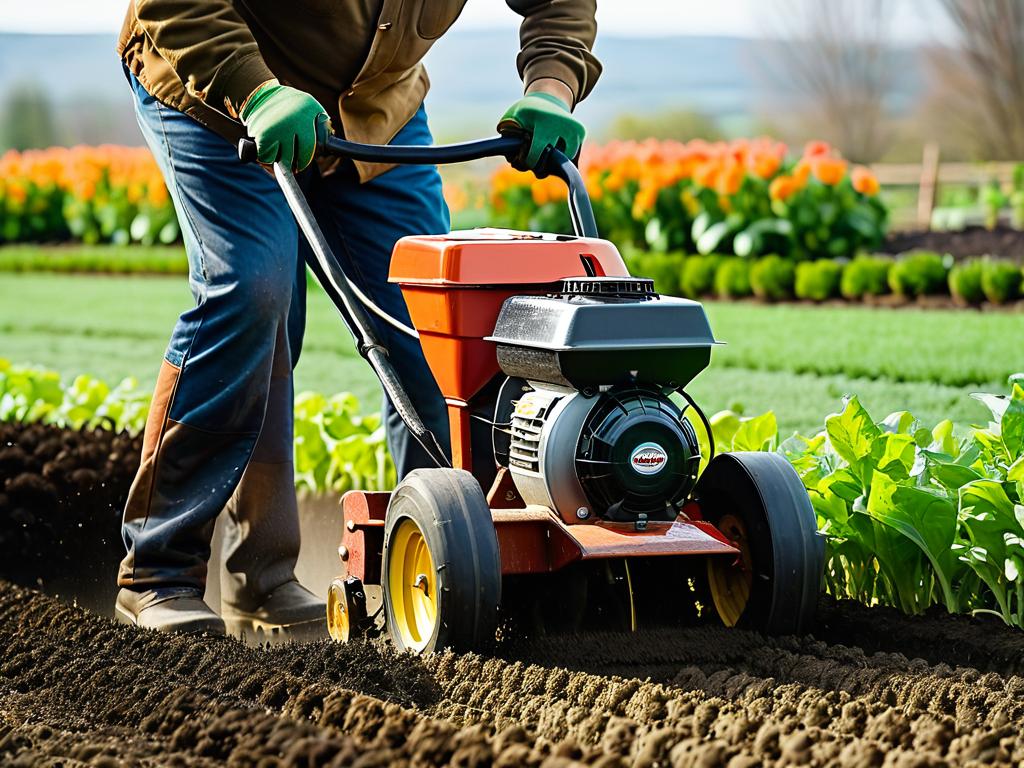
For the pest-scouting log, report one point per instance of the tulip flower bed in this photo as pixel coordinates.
(745, 197)
(91, 194)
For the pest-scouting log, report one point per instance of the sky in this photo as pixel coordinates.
(651, 18)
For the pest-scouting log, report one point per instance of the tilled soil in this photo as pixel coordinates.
(1004, 242)
(61, 496)
(75, 688)
(869, 687)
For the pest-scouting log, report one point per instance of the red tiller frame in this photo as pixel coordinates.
(532, 540)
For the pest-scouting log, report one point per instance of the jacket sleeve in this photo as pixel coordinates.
(556, 38)
(209, 46)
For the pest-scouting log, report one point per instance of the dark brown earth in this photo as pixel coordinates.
(868, 687)
(76, 688)
(1002, 241)
(61, 496)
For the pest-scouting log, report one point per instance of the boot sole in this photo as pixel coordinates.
(199, 627)
(257, 631)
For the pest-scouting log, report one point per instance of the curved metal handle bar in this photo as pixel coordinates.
(554, 162)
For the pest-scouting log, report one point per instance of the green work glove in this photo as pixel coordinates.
(548, 122)
(286, 124)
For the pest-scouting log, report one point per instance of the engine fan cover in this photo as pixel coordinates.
(617, 455)
(636, 455)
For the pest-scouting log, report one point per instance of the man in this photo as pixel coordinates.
(219, 435)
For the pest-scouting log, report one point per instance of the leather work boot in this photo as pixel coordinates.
(290, 612)
(260, 597)
(167, 609)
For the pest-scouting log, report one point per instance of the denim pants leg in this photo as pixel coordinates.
(362, 222)
(219, 433)
(227, 356)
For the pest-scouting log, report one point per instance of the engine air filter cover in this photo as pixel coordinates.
(637, 455)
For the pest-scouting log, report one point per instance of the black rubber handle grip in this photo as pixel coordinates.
(247, 150)
(439, 154)
(508, 146)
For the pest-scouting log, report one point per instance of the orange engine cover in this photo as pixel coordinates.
(454, 286)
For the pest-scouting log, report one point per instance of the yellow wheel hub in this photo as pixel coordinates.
(339, 625)
(731, 580)
(412, 586)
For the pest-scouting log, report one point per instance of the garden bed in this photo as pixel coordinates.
(76, 687)
(866, 685)
(1003, 242)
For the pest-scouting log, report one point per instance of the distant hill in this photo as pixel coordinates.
(473, 75)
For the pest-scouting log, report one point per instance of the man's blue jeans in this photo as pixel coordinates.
(219, 433)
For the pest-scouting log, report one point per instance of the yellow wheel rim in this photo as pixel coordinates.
(730, 580)
(338, 625)
(412, 586)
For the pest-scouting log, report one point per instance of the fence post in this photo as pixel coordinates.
(929, 184)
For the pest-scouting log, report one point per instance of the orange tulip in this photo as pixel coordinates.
(828, 170)
(817, 149)
(864, 181)
(783, 187)
(802, 172)
(766, 165)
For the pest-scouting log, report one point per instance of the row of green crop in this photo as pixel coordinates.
(337, 448)
(774, 278)
(771, 278)
(913, 515)
(102, 259)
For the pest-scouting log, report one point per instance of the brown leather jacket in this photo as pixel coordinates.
(205, 57)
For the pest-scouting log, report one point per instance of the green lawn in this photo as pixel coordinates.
(798, 361)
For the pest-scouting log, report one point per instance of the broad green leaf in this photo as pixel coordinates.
(712, 237)
(898, 421)
(927, 518)
(995, 403)
(724, 425)
(894, 454)
(756, 434)
(851, 434)
(1012, 424)
(942, 438)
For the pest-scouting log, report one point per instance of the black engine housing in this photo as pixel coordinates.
(637, 455)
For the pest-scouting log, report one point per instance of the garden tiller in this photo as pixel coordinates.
(582, 491)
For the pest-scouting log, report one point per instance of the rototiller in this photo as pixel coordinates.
(578, 494)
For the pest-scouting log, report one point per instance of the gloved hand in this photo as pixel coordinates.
(286, 124)
(548, 122)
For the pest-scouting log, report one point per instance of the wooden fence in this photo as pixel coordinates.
(930, 173)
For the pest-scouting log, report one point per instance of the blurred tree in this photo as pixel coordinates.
(837, 56)
(678, 124)
(26, 118)
(979, 78)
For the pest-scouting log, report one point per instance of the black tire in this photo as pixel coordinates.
(786, 553)
(449, 508)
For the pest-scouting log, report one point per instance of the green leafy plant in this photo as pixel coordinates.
(817, 280)
(920, 273)
(992, 199)
(865, 276)
(732, 280)
(772, 278)
(698, 275)
(914, 516)
(965, 282)
(337, 448)
(664, 268)
(1001, 281)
